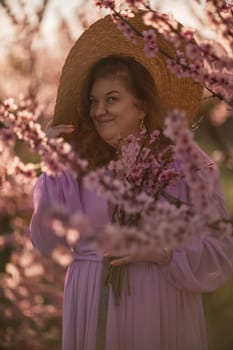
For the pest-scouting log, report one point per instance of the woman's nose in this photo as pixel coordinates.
(100, 109)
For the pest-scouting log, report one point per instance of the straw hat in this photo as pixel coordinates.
(102, 39)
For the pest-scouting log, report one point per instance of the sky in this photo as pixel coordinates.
(179, 8)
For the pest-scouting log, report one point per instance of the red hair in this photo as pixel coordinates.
(138, 81)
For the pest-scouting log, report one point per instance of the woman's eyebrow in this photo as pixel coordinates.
(107, 93)
(112, 91)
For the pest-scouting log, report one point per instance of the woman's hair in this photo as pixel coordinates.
(138, 81)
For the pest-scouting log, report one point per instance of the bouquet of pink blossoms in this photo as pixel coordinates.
(140, 186)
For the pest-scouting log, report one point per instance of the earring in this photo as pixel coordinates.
(142, 128)
(117, 146)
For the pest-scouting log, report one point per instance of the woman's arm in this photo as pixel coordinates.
(45, 195)
(206, 264)
(49, 191)
(61, 191)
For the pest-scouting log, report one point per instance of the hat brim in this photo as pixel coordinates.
(102, 39)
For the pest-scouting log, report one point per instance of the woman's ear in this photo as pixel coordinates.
(143, 109)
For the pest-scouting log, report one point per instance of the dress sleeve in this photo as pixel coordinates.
(203, 265)
(46, 193)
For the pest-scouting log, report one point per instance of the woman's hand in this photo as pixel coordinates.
(160, 256)
(55, 131)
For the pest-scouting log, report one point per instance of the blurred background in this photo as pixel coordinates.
(35, 37)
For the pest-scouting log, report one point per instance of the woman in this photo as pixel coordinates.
(109, 90)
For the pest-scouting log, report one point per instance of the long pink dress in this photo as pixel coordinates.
(164, 311)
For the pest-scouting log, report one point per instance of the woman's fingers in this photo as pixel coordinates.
(63, 128)
(116, 253)
(120, 261)
(55, 131)
(160, 256)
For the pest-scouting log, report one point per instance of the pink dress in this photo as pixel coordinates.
(164, 311)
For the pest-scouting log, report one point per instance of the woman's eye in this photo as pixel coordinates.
(111, 99)
(92, 101)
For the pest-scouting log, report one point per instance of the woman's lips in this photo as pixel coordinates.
(103, 121)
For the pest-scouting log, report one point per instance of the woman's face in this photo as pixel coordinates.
(115, 112)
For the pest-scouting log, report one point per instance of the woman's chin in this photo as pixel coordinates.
(111, 140)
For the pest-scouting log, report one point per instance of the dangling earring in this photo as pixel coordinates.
(118, 146)
(142, 128)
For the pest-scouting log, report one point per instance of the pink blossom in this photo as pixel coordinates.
(61, 256)
(191, 161)
(192, 51)
(150, 18)
(188, 34)
(219, 113)
(127, 31)
(175, 67)
(174, 124)
(150, 47)
(149, 36)
(206, 49)
(154, 136)
(105, 3)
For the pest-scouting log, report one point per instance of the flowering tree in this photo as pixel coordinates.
(27, 295)
(19, 124)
